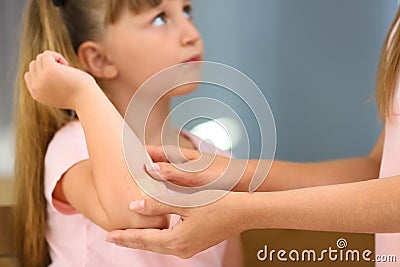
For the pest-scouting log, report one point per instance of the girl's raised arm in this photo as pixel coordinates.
(98, 187)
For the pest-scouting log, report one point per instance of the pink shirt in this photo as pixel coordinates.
(76, 241)
(389, 244)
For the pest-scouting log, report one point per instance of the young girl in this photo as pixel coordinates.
(73, 182)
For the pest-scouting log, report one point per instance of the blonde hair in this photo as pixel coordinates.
(388, 70)
(62, 29)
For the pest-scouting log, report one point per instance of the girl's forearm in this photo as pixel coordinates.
(362, 207)
(103, 126)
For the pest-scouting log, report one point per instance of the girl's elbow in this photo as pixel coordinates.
(137, 221)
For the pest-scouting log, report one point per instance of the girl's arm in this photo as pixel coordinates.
(363, 207)
(101, 187)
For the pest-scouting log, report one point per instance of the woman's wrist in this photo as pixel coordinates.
(246, 205)
(254, 170)
(259, 210)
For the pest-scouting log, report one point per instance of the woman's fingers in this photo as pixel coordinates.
(146, 239)
(198, 229)
(168, 172)
(172, 241)
(205, 169)
(183, 167)
(163, 241)
(153, 207)
(157, 153)
(172, 154)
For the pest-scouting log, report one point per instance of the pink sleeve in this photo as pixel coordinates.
(67, 148)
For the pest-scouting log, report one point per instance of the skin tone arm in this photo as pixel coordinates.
(282, 175)
(358, 207)
(98, 186)
(291, 175)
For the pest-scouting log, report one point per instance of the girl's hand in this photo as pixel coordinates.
(199, 228)
(52, 82)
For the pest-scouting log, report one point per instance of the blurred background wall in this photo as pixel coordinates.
(10, 16)
(314, 60)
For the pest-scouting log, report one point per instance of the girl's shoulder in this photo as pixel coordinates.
(67, 148)
(71, 128)
(68, 141)
(68, 134)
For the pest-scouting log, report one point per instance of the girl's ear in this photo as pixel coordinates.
(95, 61)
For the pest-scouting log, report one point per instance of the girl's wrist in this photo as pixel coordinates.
(86, 94)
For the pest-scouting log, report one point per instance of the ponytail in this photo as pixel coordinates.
(35, 127)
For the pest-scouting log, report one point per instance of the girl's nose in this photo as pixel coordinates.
(189, 33)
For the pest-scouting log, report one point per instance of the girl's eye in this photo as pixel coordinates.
(159, 20)
(187, 11)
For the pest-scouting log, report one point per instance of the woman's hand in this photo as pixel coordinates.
(198, 229)
(52, 82)
(188, 167)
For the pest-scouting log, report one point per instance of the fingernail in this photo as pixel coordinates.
(154, 167)
(154, 170)
(109, 239)
(136, 205)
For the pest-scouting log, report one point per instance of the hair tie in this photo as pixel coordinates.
(58, 2)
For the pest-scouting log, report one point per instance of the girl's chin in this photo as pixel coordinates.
(183, 90)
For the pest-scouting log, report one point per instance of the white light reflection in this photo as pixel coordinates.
(224, 133)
